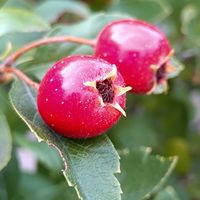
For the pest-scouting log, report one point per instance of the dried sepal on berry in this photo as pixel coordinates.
(161, 70)
(108, 90)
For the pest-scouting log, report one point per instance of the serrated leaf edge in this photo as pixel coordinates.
(60, 153)
(42, 140)
(75, 186)
(162, 180)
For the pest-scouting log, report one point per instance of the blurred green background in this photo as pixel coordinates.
(169, 124)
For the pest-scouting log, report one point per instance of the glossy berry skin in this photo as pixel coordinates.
(134, 46)
(71, 107)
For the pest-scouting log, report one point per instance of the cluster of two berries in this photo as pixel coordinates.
(83, 96)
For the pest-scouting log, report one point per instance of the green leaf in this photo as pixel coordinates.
(133, 132)
(6, 51)
(191, 22)
(150, 10)
(20, 20)
(143, 174)
(9, 179)
(18, 4)
(2, 3)
(5, 142)
(89, 27)
(179, 146)
(89, 164)
(58, 8)
(45, 56)
(41, 150)
(43, 187)
(167, 194)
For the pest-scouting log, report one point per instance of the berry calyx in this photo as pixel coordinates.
(81, 96)
(140, 51)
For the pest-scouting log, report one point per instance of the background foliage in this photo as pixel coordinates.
(165, 125)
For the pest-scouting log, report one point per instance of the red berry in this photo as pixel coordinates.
(139, 50)
(81, 96)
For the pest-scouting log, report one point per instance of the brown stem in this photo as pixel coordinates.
(5, 67)
(13, 57)
(20, 75)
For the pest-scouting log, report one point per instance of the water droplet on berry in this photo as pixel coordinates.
(105, 54)
(134, 55)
